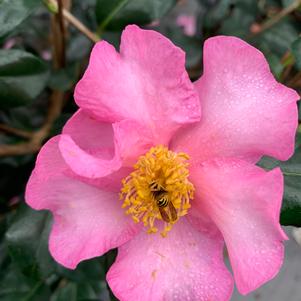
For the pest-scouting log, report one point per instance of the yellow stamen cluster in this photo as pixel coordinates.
(169, 171)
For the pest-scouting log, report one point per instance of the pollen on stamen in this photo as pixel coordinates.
(158, 190)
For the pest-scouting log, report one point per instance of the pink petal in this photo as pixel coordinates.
(146, 82)
(95, 139)
(244, 201)
(89, 133)
(111, 182)
(186, 265)
(131, 140)
(87, 164)
(87, 146)
(245, 112)
(87, 221)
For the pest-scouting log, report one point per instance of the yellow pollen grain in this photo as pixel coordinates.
(168, 171)
(154, 274)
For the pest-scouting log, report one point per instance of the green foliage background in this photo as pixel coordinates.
(28, 79)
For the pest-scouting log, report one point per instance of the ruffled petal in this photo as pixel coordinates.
(88, 164)
(244, 202)
(246, 113)
(146, 82)
(87, 221)
(87, 146)
(87, 158)
(89, 133)
(186, 265)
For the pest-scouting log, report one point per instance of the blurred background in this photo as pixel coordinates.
(45, 47)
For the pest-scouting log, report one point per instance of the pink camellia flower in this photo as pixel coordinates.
(165, 169)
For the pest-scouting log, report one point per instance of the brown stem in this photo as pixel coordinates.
(38, 137)
(56, 98)
(61, 24)
(259, 28)
(295, 81)
(75, 22)
(17, 132)
(81, 27)
(288, 62)
(58, 38)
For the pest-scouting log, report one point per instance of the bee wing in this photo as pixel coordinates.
(164, 214)
(172, 211)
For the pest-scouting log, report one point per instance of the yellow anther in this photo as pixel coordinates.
(136, 219)
(158, 190)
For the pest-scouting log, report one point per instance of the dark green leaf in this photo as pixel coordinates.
(67, 292)
(115, 14)
(27, 239)
(22, 77)
(296, 50)
(16, 287)
(279, 37)
(240, 19)
(59, 124)
(217, 12)
(78, 48)
(14, 12)
(64, 79)
(291, 207)
(275, 64)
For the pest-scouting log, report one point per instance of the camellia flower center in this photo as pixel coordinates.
(158, 189)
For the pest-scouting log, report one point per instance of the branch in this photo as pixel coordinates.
(38, 137)
(10, 130)
(53, 7)
(61, 27)
(259, 28)
(288, 62)
(295, 81)
(56, 98)
(80, 26)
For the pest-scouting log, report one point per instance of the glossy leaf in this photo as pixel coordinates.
(27, 239)
(14, 12)
(22, 77)
(279, 37)
(296, 50)
(14, 286)
(241, 18)
(66, 292)
(115, 14)
(275, 64)
(291, 207)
